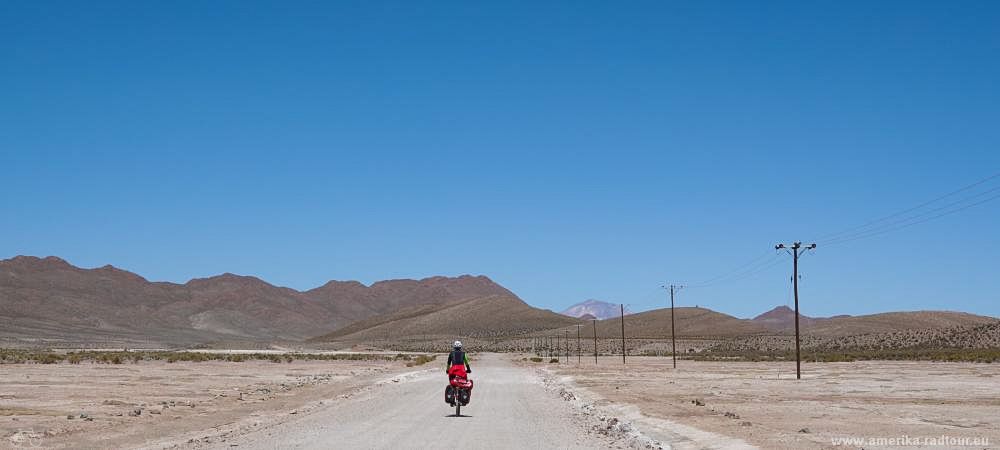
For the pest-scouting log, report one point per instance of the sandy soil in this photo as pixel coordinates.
(179, 401)
(263, 405)
(763, 404)
(516, 404)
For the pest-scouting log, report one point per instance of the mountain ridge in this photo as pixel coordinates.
(51, 300)
(48, 301)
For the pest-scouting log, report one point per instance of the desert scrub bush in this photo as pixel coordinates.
(15, 356)
(553, 360)
(49, 358)
(987, 355)
(421, 360)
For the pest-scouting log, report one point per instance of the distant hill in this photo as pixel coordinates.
(691, 322)
(350, 301)
(486, 317)
(782, 320)
(894, 322)
(986, 335)
(594, 309)
(934, 337)
(979, 336)
(47, 301)
(702, 322)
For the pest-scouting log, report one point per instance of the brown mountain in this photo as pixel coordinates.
(247, 307)
(351, 301)
(981, 336)
(691, 322)
(702, 322)
(782, 320)
(47, 301)
(491, 316)
(895, 322)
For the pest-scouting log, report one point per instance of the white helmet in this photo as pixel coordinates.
(457, 344)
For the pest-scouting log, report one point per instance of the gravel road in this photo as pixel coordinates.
(510, 408)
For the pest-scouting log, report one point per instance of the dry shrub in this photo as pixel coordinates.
(421, 360)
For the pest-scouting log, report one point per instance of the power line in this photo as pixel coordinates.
(918, 219)
(748, 272)
(733, 271)
(918, 215)
(831, 236)
(886, 224)
(726, 277)
(777, 260)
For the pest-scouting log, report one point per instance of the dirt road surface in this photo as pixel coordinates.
(510, 408)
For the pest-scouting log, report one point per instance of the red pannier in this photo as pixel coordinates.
(461, 383)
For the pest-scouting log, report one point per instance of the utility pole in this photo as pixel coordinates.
(673, 335)
(566, 343)
(579, 356)
(795, 246)
(595, 342)
(623, 332)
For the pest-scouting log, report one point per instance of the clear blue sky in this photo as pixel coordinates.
(567, 150)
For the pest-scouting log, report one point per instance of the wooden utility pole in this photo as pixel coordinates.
(623, 332)
(566, 343)
(579, 356)
(595, 342)
(795, 282)
(673, 335)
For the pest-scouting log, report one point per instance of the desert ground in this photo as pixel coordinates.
(129, 405)
(301, 404)
(762, 403)
(517, 403)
